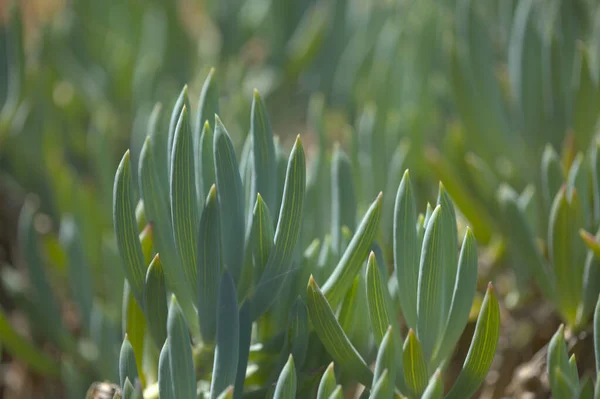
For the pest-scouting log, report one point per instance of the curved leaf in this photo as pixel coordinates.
(341, 279)
(382, 389)
(231, 201)
(286, 384)
(262, 236)
(333, 337)
(127, 365)
(155, 301)
(415, 366)
(265, 172)
(386, 358)
(430, 290)
(181, 366)
(343, 197)
(449, 245)
(286, 233)
(184, 204)
(378, 306)
(327, 384)
(126, 229)
(228, 338)
(482, 349)
(209, 267)
(406, 250)
(165, 382)
(435, 388)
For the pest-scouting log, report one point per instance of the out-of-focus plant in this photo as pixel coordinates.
(562, 370)
(567, 275)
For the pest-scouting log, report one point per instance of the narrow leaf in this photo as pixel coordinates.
(333, 337)
(482, 349)
(415, 366)
(231, 201)
(228, 338)
(343, 197)
(126, 229)
(181, 366)
(155, 302)
(244, 348)
(406, 250)
(378, 306)
(382, 389)
(286, 384)
(265, 172)
(286, 233)
(165, 382)
(181, 102)
(430, 290)
(209, 267)
(184, 205)
(341, 279)
(386, 358)
(127, 366)
(449, 248)
(435, 388)
(552, 175)
(327, 384)
(262, 236)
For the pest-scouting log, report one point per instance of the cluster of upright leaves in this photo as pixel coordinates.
(435, 294)
(568, 277)
(563, 376)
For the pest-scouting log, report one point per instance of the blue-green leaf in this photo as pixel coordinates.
(181, 366)
(155, 302)
(333, 337)
(415, 365)
(231, 201)
(450, 248)
(552, 175)
(184, 205)
(127, 365)
(462, 300)
(482, 349)
(343, 197)
(265, 172)
(228, 337)
(126, 229)
(597, 335)
(377, 301)
(386, 358)
(206, 171)
(79, 269)
(244, 348)
(165, 381)
(430, 290)
(209, 266)
(262, 236)
(435, 387)
(327, 384)
(406, 250)
(341, 279)
(286, 384)
(181, 102)
(383, 388)
(286, 233)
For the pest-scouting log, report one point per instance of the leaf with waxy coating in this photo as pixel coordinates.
(155, 301)
(332, 335)
(327, 384)
(286, 384)
(181, 366)
(415, 365)
(341, 279)
(231, 201)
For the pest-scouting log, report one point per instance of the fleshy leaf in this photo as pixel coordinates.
(341, 279)
(406, 250)
(332, 335)
(482, 349)
(155, 302)
(328, 383)
(265, 172)
(343, 197)
(415, 365)
(286, 384)
(181, 366)
(378, 306)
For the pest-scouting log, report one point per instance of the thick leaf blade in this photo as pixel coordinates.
(327, 384)
(184, 204)
(181, 366)
(165, 381)
(343, 197)
(265, 171)
(386, 358)
(127, 364)
(462, 300)
(383, 388)
(286, 384)
(231, 201)
(155, 302)
(228, 338)
(378, 306)
(209, 267)
(430, 289)
(244, 348)
(552, 175)
(333, 337)
(482, 349)
(449, 251)
(415, 365)
(181, 102)
(286, 233)
(262, 236)
(406, 250)
(126, 229)
(435, 388)
(343, 275)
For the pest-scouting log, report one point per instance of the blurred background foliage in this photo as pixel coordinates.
(462, 91)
